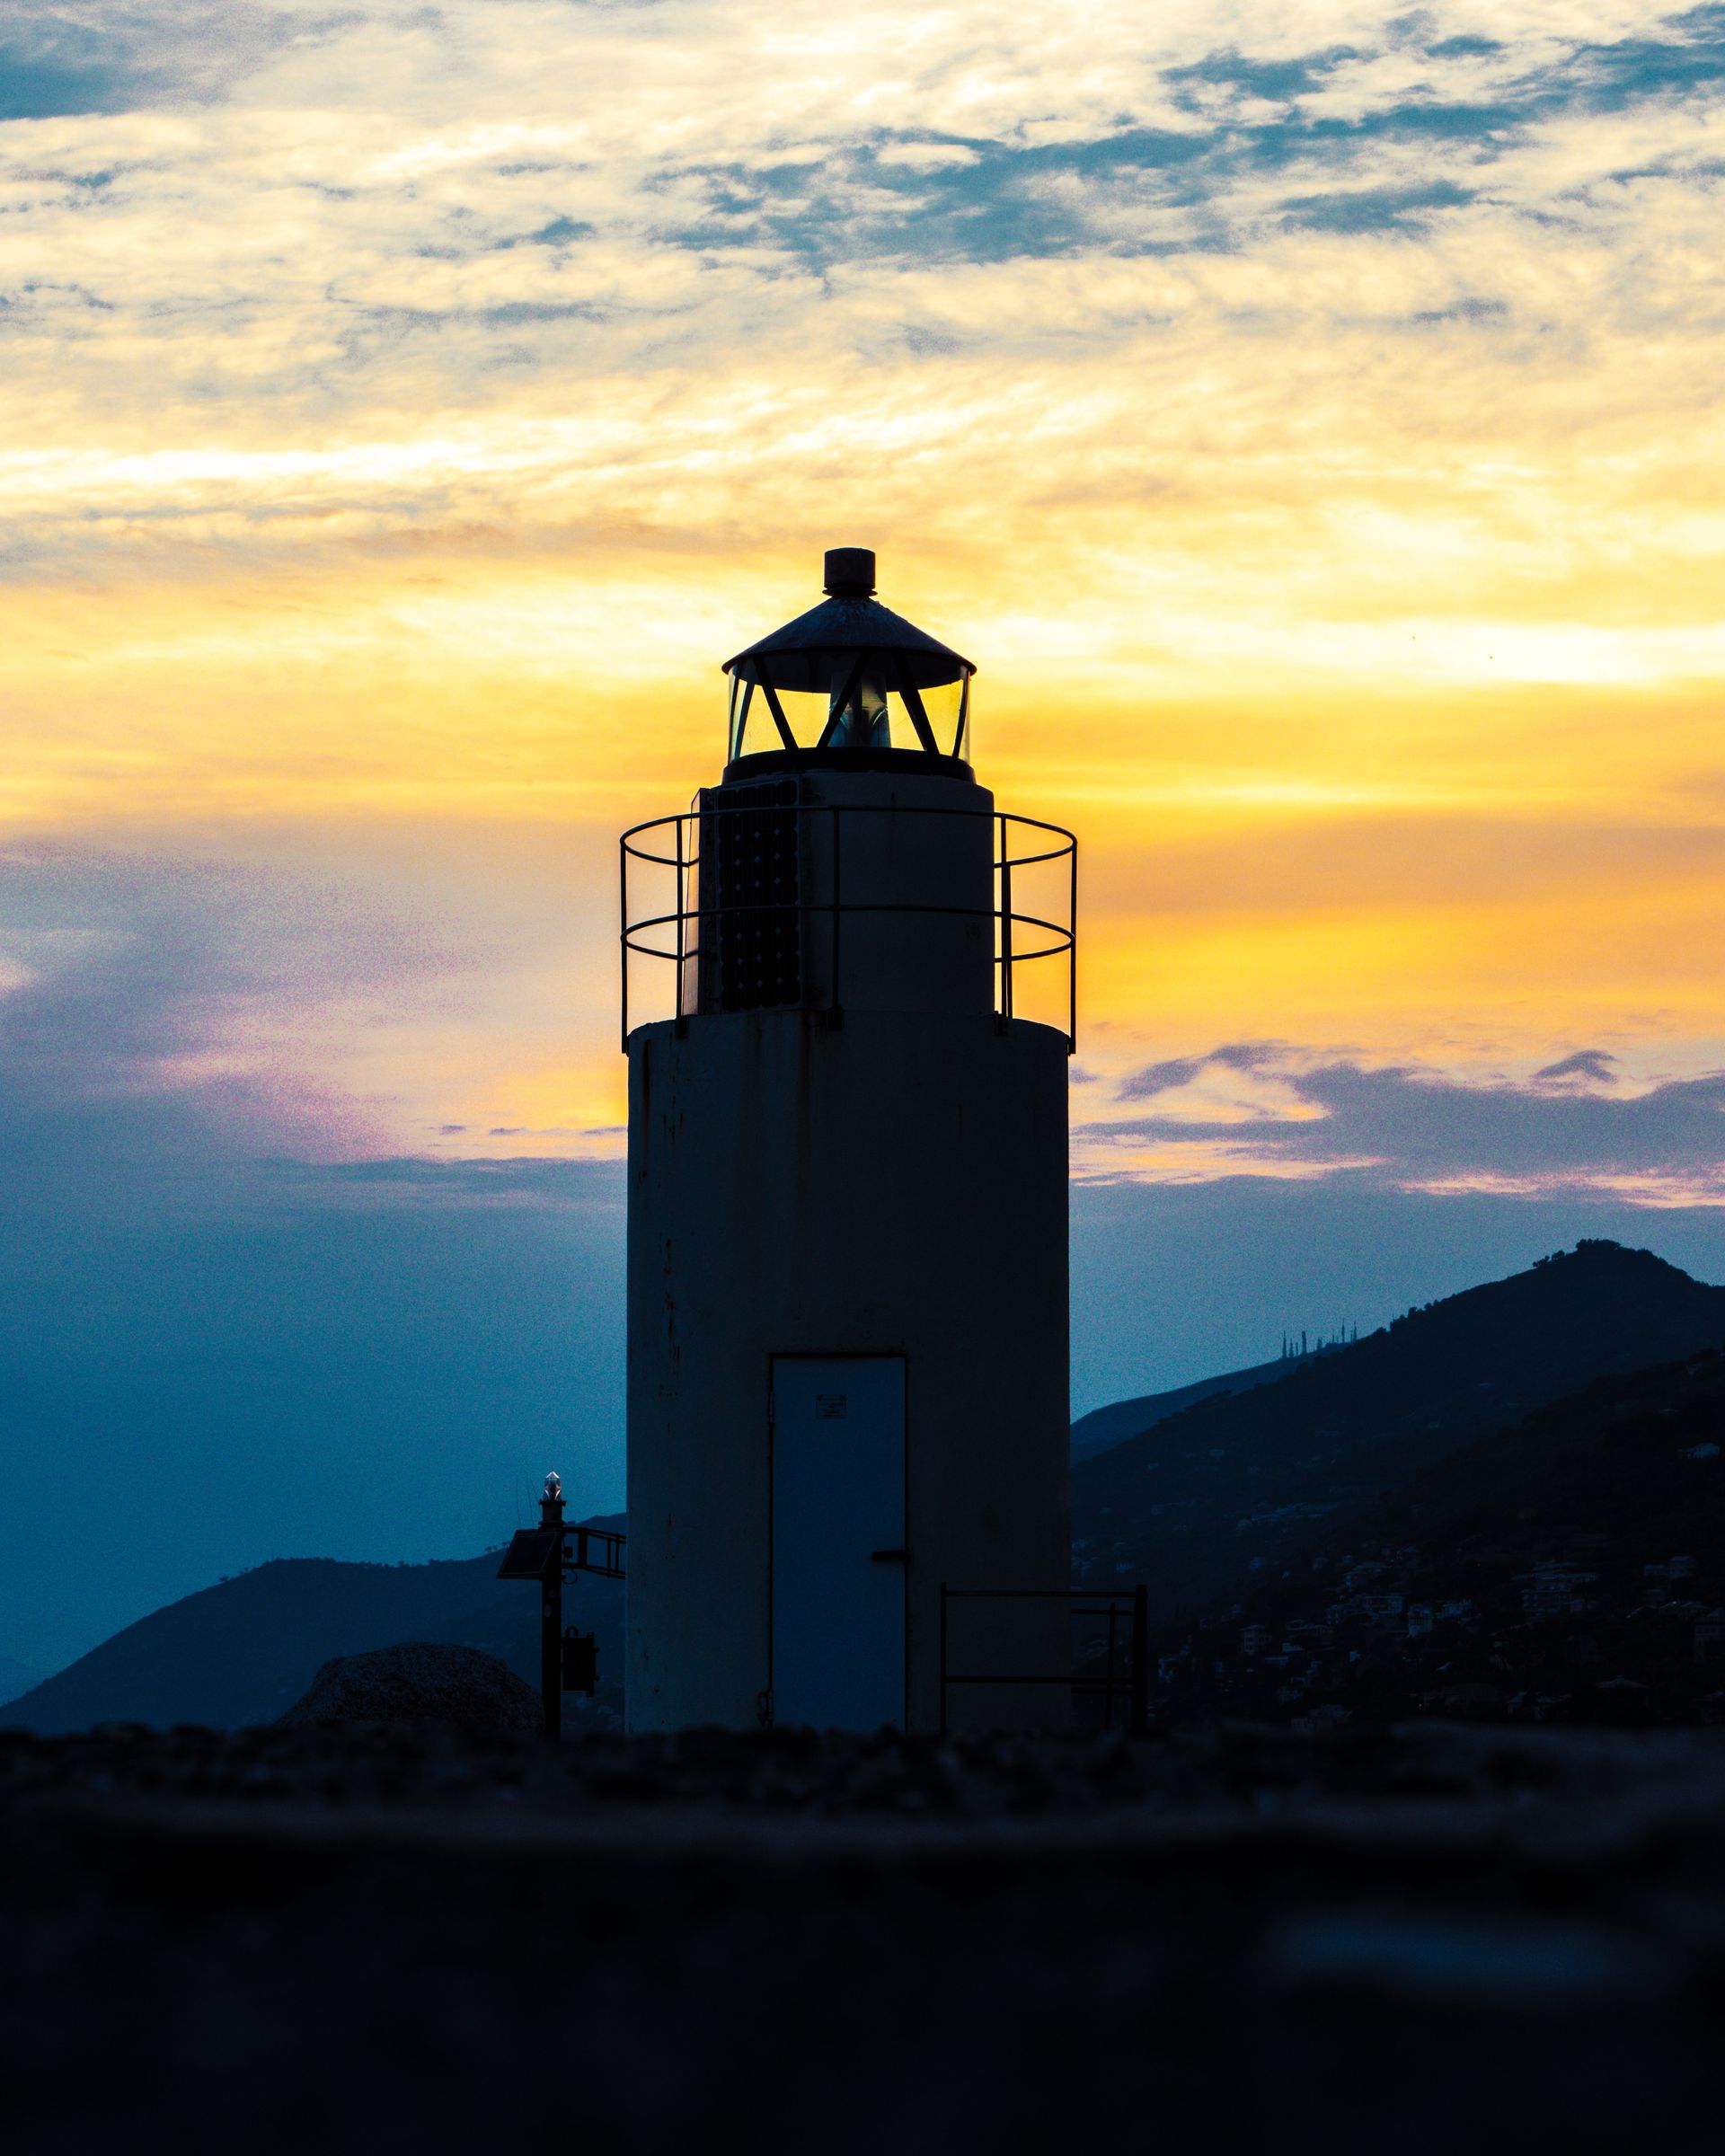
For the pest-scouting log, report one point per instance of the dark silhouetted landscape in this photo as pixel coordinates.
(1288, 1519)
(1341, 1875)
(243, 1651)
(1425, 1940)
(1243, 1484)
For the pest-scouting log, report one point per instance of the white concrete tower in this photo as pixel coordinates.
(847, 1202)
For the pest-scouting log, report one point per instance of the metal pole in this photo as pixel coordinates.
(551, 1646)
(838, 1001)
(551, 1613)
(1140, 1660)
(1108, 1689)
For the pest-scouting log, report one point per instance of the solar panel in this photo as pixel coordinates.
(531, 1553)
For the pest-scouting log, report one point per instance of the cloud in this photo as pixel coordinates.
(69, 58)
(1409, 1127)
(351, 987)
(1155, 1078)
(1586, 1067)
(116, 1046)
(497, 278)
(1161, 1077)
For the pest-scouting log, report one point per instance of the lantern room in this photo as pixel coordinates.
(849, 681)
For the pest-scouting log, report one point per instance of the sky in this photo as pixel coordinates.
(1307, 417)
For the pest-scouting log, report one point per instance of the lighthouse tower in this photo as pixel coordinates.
(847, 1203)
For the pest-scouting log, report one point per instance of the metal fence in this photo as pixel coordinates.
(1123, 1677)
(672, 844)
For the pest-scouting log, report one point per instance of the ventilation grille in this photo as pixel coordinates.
(750, 930)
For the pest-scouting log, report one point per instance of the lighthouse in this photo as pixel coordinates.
(847, 1011)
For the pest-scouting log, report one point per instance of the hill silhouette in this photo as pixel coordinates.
(1571, 1568)
(1233, 1484)
(1103, 1427)
(243, 1652)
(16, 1677)
(1236, 1484)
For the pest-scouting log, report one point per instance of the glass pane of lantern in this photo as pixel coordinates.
(873, 713)
(941, 706)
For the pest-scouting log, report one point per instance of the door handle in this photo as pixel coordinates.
(889, 1556)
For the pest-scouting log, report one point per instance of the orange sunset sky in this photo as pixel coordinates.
(400, 429)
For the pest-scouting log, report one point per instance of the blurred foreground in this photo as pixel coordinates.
(1417, 1939)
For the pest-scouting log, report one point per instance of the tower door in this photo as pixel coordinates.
(838, 1541)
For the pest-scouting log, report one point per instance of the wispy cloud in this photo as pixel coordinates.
(1306, 414)
(466, 217)
(1570, 1127)
(1586, 1067)
(303, 995)
(61, 59)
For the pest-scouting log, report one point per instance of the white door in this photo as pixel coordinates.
(838, 1541)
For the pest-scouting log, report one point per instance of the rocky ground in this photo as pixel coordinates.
(1427, 1939)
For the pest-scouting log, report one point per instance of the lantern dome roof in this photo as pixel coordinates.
(849, 619)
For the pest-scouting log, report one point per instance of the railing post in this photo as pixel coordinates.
(942, 1658)
(1005, 921)
(622, 939)
(1140, 1660)
(1071, 957)
(679, 916)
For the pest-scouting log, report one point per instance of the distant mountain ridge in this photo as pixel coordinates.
(243, 1651)
(16, 1678)
(1230, 1482)
(1122, 1418)
(1236, 1483)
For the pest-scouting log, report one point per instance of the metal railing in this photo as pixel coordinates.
(1131, 1685)
(681, 925)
